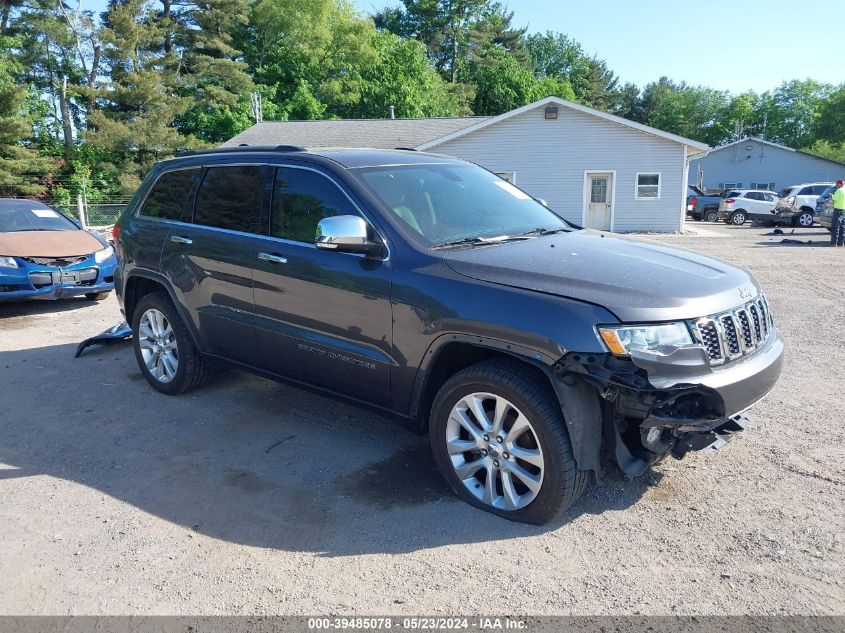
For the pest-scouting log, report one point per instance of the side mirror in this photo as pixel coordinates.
(344, 233)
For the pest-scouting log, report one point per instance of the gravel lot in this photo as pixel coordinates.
(250, 497)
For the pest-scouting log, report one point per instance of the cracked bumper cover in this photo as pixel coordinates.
(673, 402)
(739, 384)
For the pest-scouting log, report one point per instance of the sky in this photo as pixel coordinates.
(734, 45)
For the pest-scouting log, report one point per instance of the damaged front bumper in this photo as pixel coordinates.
(656, 404)
(34, 281)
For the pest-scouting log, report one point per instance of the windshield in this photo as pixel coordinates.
(450, 202)
(25, 215)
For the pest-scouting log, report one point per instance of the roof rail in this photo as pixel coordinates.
(244, 148)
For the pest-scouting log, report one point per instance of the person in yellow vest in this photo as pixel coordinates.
(837, 229)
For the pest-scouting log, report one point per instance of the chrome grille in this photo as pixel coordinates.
(729, 335)
(746, 336)
(731, 338)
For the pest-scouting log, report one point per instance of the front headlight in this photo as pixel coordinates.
(8, 262)
(103, 255)
(623, 339)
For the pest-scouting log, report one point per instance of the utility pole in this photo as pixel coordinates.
(257, 110)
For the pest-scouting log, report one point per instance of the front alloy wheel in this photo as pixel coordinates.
(805, 219)
(494, 451)
(499, 439)
(159, 348)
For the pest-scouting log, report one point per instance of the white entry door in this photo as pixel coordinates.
(599, 202)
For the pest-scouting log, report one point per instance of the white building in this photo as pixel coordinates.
(595, 169)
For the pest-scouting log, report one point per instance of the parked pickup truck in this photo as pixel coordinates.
(436, 292)
(701, 206)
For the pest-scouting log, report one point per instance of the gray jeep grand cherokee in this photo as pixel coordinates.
(432, 290)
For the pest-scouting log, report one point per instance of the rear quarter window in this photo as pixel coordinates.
(169, 196)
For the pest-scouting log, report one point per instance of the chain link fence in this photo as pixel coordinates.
(92, 214)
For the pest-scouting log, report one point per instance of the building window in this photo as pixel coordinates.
(510, 176)
(648, 186)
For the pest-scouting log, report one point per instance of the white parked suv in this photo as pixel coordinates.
(738, 206)
(803, 197)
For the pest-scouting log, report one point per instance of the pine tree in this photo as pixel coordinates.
(146, 91)
(22, 170)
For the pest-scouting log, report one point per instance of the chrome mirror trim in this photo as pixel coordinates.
(344, 233)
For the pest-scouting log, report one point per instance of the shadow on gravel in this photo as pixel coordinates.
(35, 307)
(244, 460)
(794, 242)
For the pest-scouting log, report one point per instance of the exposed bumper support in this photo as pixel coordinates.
(660, 404)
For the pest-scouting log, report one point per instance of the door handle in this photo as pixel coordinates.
(275, 259)
(178, 239)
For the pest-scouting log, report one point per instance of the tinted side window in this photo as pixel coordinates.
(806, 191)
(819, 189)
(230, 198)
(301, 198)
(169, 194)
(753, 195)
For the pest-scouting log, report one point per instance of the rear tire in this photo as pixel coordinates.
(159, 334)
(738, 218)
(97, 296)
(530, 425)
(712, 216)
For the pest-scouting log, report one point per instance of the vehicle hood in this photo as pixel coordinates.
(48, 243)
(636, 280)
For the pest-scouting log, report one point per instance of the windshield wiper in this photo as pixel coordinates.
(476, 241)
(544, 231)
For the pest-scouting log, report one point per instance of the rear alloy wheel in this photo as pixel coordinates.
(738, 218)
(712, 216)
(158, 345)
(500, 441)
(804, 219)
(164, 348)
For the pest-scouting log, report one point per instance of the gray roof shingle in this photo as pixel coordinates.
(375, 133)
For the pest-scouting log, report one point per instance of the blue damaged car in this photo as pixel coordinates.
(45, 255)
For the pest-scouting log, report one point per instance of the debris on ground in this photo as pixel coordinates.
(115, 334)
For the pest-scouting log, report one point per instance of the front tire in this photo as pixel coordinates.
(805, 219)
(164, 349)
(499, 439)
(738, 218)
